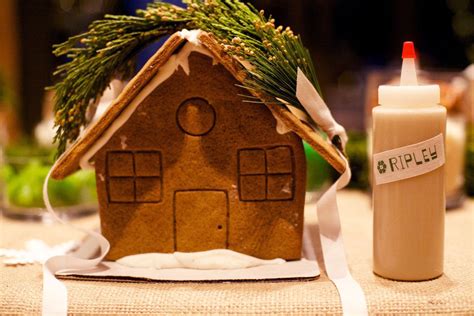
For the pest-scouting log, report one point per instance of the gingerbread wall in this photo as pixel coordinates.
(195, 168)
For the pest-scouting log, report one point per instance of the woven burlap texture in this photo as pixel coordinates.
(452, 293)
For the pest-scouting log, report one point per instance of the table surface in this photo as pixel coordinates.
(21, 286)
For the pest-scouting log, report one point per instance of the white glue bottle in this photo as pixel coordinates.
(408, 178)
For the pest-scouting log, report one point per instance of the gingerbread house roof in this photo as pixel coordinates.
(69, 161)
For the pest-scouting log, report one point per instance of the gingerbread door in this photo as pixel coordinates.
(201, 220)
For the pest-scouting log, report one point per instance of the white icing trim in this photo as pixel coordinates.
(191, 36)
(166, 71)
(204, 260)
(281, 127)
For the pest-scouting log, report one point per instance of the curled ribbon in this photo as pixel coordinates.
(54, 291)
(309, 97)
(350, 293)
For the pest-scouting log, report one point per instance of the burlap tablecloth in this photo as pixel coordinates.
(451, 293)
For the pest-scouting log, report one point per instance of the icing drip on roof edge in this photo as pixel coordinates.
(173, 63)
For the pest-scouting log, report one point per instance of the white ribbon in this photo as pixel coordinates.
(350, 293)
(317, 108)
(54, 291)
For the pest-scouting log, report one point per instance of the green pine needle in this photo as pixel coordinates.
(108, 49)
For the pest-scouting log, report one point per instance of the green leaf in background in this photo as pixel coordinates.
(25, 187)
(356, 150)
(6, 173)
(317, 169)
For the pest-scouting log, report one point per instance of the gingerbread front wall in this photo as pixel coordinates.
(195, 168)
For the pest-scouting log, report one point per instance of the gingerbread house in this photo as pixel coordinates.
(182, 164)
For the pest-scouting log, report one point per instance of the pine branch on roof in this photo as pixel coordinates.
(108, 48)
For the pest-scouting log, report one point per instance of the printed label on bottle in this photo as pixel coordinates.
(409, 161)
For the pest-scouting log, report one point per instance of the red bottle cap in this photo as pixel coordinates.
(408, 50)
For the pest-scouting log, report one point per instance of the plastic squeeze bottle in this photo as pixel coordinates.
(408, 177)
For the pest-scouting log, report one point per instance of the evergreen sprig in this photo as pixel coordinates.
(274, 52)
(108, 49)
